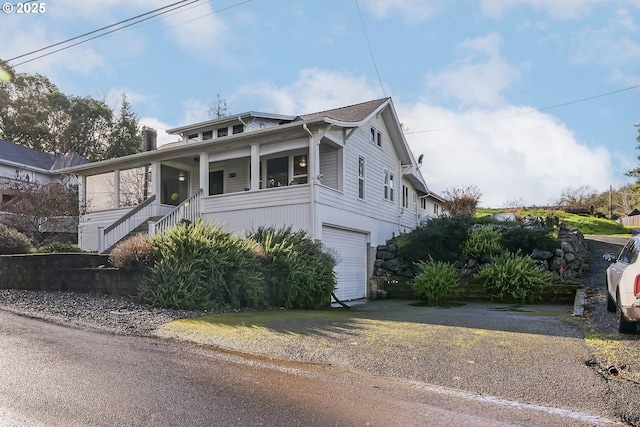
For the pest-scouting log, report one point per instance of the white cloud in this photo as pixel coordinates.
(614, 46)
(198, 28)
(479, 77)
(194, 111)
(557, 9)
(411, 11)
(531, 157)
(315, 90)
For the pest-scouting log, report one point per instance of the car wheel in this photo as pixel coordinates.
(624, 326)
(611, 304)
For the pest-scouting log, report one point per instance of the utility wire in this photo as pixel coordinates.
(102, 34)
(94, 31)
(536, 110)
(373, 59)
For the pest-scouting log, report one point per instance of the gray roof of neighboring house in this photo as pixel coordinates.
(17, 154)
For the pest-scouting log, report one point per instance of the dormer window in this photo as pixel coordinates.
(223, 132)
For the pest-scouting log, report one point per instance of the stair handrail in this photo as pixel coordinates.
(189, 210)
(127, 223)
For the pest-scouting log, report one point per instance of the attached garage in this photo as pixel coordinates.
(351, 270)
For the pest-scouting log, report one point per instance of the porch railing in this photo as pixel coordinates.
(112, 234)
(189, 210)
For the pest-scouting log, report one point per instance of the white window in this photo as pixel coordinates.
(436, 208)
(423, 202)
(388, 185)
(376, 137)
(208, 134)
(283, 171)
(238, 129)
(223, 132)
(405, 196)
(299, 169)
(193, 137)
(361, 178)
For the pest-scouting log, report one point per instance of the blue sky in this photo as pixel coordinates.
(471, 80)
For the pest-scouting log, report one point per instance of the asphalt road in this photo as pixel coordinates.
(51, 375)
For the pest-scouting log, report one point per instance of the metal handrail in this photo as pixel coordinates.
(188, 210)
(125, 225)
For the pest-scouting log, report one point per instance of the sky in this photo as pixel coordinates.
(523, 99)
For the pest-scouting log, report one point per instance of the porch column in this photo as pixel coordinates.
(156, 181)
(255, 167)
(314, 157)
(82, 194)
(116, 188)
(204, 173)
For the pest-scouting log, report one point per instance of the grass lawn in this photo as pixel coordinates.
(587, 224)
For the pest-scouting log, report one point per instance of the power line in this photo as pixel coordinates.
(373, 59)
(536, 110)
(102, 29)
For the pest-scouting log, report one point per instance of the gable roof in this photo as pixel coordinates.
(351, 113)
(351, 116)
(29, 158)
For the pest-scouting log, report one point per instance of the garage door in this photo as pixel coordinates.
(351, 270)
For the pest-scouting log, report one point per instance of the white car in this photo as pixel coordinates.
(623, 286)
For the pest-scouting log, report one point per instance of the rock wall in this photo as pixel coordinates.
(568, 261)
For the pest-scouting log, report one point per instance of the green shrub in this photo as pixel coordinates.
(514, 277)
(298, 272)
(134, 252)
(435, 280)
(59, 248)
(483, 240)
(526, 240)
(13, 242)
(203, 267)
(439, 239)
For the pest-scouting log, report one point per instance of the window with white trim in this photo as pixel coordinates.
(388, 185)
(223, 132)
(375, 137)
(361, 177)
(405, 196)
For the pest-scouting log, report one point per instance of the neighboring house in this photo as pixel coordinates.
(346, 176)
(20, 168)
(20, 164)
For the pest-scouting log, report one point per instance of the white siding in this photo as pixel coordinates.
(88, 226)
(280, 207)
(329, 167)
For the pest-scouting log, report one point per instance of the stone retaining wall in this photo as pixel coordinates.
(391, 273)
(84, 273)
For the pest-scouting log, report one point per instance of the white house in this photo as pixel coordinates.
(20, 164)
(346, 176)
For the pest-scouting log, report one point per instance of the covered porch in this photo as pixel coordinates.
(240, 183)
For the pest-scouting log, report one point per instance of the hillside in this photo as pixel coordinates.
(587, 224)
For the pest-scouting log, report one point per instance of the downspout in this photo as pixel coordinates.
(243, 123)
(312, 180)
